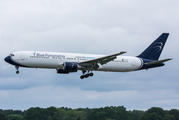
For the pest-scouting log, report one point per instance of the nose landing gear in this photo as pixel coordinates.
(86, 75)
(17, 68)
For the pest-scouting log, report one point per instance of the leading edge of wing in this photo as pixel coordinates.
(101, 60)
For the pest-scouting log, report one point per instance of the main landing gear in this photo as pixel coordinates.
(86, 75)
(17, 69)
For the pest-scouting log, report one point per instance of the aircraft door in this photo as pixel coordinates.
(22, 57)
(133, 63)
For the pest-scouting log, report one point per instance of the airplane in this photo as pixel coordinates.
(66, 63)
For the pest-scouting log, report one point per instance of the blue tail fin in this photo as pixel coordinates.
(154, 50)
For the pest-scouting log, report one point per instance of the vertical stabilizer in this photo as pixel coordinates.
(154, 50)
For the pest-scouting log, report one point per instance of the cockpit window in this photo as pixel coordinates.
(11, 55)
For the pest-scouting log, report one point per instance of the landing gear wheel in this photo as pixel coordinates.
(87, 75)
(91, 74)
(17, 72)
(82, 77)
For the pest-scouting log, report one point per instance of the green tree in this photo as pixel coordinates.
(135, 114)
(169, 117)
(82, 115)
(144, 116)
(150, 116)
(78, 118)
(35, 114)
(10, 111)
(3, 116)
(109, 113)
(109, 119)
(71, 115)
(121, 114)
(49, 117)
(153, 113)
(87, 110)
(175, 113)
(97, 114)
(51, 111)
(15, 117)
(154, 116)
(60, 114)
(74, 115)
(157, 110)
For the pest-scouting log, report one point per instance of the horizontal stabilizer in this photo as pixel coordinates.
(158, 62)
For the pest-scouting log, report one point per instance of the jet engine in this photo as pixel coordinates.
(70, 66)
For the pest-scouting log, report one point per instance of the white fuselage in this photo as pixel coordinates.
(66, 63)
(54, 60)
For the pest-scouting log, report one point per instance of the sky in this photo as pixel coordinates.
(90, 26)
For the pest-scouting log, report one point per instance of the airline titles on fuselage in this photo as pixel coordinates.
(40, 55)
(55, 56)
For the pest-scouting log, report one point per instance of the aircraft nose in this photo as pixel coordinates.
(7, 59)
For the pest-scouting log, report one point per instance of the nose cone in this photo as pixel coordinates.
(11, 61)
(8, 59)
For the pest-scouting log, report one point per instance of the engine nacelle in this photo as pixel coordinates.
(70, 66)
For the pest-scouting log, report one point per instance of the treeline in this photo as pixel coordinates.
(106, 113)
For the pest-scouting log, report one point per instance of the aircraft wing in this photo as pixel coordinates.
(97, 62)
